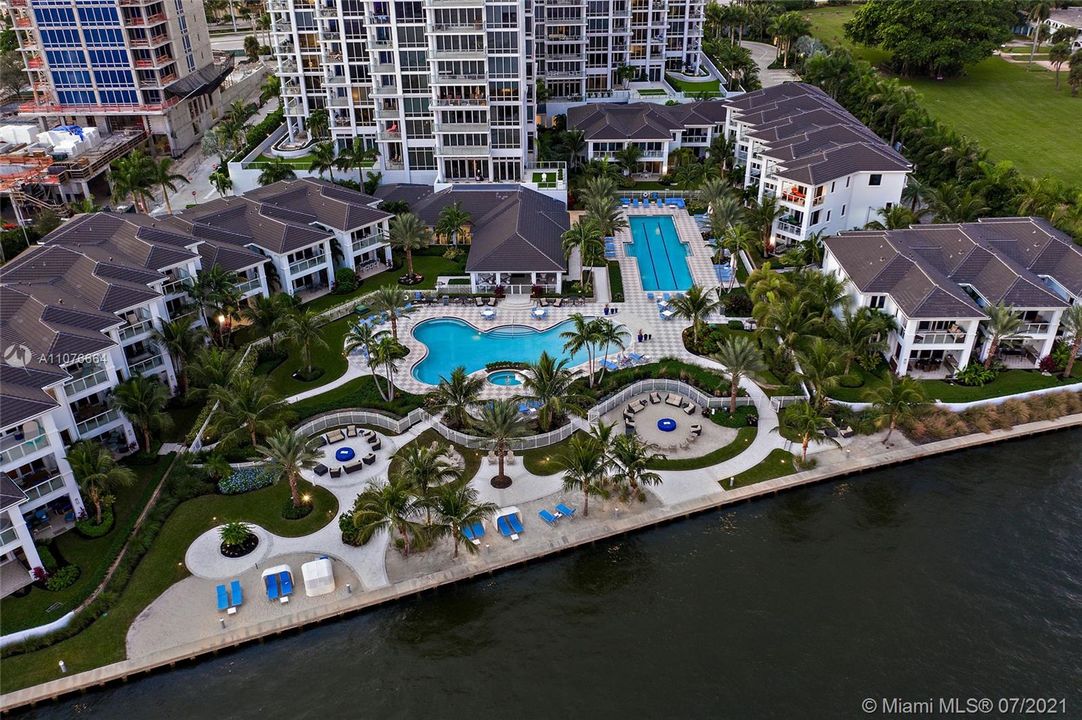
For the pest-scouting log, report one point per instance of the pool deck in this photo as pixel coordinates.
(699, 259)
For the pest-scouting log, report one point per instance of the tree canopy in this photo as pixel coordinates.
(933, 37)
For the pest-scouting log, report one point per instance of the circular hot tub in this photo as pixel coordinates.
(666, 424)
(344, 454)
(505, 378)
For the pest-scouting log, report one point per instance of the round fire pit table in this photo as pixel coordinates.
(666, 424)
(344, 454)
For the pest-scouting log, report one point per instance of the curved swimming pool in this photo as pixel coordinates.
(452, 342)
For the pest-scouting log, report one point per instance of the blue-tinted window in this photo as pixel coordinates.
(60, 38)
(54, 16)
(65, 58)
(109, 58)
(98, 16)
(79, 97)
(119, 97)
(103, 37)
(113, 78)
(71, 78)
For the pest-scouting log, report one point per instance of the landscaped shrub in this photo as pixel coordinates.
(246, 479)
(938, 423)
(737, 303)
(975, 375)
(350, 534)
(506, 365)
(735, 325)
(88, 528)
(48, 560)
(237, 539)
(295, 512)
(345, 280)
(63, 578)
(616, 282)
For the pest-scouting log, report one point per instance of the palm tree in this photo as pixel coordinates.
(267, 315)
(1071, 324)
(891, 102)
(761, 216)
(807, 422)
(142, 400)
(451, 220)
(861, 334)
(896, 217)
(163, 176)
(574, 142)
(791, 321)
(97, 473)
(356, 156)
(271, 87)
(276, 170)
(610, 335)
(221, 182)
(787, 27)
(425, 467)
(915, 191)
(318, 123)
(726, 211)
(765, 286)
(818, 369)
(385, 354)
(302, 329)
(455, 396)
(1058, 54)
(361, 335)
(585, 237)
(288, 453)
(1038, 13)
(246, 407)
(212, 366)
(737, 239)
(389, 507)
(628, 157)
(390, 300)
(498, 422)
(632, 457)
(408, 233)
(950, 204)
(1002, 322)
(599, 188)
(713, 190)
(323, 159)
(550, 383)
(182, 341)
(742, 359)
(457, 506)
(582, 335)
(607, 215)
(898, 398)
(695, 305)
(132, 176)
(825, 291)
(583, 465)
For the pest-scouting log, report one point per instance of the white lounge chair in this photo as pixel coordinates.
(674, 400)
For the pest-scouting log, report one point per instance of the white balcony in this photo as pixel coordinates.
(1034, 328)
(85, 381)
(301, 266)
(790, 229)
(91, 424)
(362, 244)
(144, 366)
(469, 150)
(130, 332)
(939, 338)
(12, 449)
(248, 286)
(44, 488)
(175, 287)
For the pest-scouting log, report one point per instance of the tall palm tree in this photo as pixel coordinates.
(390, 300)
(585, 237)
(915, 192)
(737, 239)
(949, 204)
(457, 506)
(808, 423)
(861, 334)
(182, 341)
(361, 335)
(766, 287)
(302, 329)
(610, 335)
(787, 27)
(1071, 324)
(1002, 322)
(742, 359)
(761, 216)
(583, 465)
(826, 292)
(356, 156)
(271, 87)
(455, 396)
(267, 315)
(628, 157)
(897, 399)
(1058, 54)
(791, 321)
(390, 507)
(97, 473)
(726, 211)
(385, 354)
(575, 146)
(246, 407)
(162, 175)
(818, 368)
(451, 220)
(599, 188)
(607, 215)
(276, 170)
(550, 383)
(132, 176)
(1038, 13)
(221, 182)
(582, 336)
(318, 123)
(499, 421)
(408, 233)
(896, 217)
(288, 453)
(891, 102)
(212, 366)
(695, 305)
(632, 457)
(425, 467)
(323, 159)
(142, 400)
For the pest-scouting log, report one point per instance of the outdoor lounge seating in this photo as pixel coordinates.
(547, 516)
(351, 431)
(674, 400)
(376, 442)
(335, 436)
(696, 429)
(479, 302)
(505, 528)
(474, 532)
(516, 524)
(320, 469)
(285, 579)
(353, 467)
(629, 422)
(223, 598)
(565, 510)
(369, 458)
(690, 408)
(367, 434)
(655, 398)
(271, 583)
(236, 594)
(336, 471)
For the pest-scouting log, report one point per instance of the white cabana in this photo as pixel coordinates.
(318, 577)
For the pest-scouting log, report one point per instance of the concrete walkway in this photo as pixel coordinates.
(763, 55)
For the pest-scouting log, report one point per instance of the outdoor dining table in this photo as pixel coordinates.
(488, 313)
(538, 313)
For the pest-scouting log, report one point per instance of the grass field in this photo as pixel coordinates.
(1008, 382)
(1014, 112)
(710, 86)
(331, 359)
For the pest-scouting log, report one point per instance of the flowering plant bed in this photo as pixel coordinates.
(246, 479)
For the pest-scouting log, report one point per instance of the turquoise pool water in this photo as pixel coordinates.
(661, 256)
(452, 342)
(504, 377)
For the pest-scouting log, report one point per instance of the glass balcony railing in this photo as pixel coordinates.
(174, 287)
(247, 286)
(306, 264)
(129, 332)
(1034, 328)
(83, 382)
(142, 366)
(44, 488)
(790, 229)
(361, 244)
(8, 535)
(91, 424)
(16, 449)
(939, 338)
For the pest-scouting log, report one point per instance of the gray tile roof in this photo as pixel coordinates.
(10, 493)
(642, 121)
(924, 267)
(1068, 16)
(813, 138)
(323, 202)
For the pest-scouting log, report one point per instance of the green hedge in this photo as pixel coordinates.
(63, 578)
(88, 528)
(616, 282)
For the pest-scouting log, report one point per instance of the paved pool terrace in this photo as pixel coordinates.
(651, 260)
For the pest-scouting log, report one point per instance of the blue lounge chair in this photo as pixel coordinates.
(223, 599)
(237, 593)
(515, 523)
(565, 510)
(271, 581)
(504, 527)
(468, 533)
(609, 365)
(667, 297)
(287, 582)
(547, 516)
(649, 296)
(625, 201)
(478, 529)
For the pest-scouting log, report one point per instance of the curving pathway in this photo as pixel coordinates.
(764, 54)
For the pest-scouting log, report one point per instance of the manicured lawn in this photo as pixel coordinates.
(547, 180)
(1014, 112)
(93, 557)
(616, 282)
(331, 359)
(543, 461)
(302, 163)
(358, 393)
(649, 92)
(1007, 382)
(709, 86)
(432, 266)
(472, 457)
(103, 641)
(777, 464)
(745, 436)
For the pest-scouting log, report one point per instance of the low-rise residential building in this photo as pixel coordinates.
(301, 227)
(1070, 18)
(938, 280)
(657, 130)
(515, 236)
(827, 170)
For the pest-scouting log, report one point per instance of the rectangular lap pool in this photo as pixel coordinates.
(661, 256)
